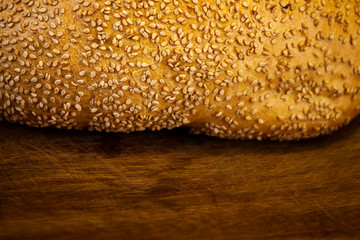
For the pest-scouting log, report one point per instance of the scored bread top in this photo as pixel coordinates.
(227, 68)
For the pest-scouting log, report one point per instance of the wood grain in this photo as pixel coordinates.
(57, 184)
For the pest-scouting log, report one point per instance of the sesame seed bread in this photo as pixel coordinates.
(234, 69)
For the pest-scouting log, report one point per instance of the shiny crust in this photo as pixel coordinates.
(234, 69)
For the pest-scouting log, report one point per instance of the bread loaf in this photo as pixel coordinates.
(228, 68)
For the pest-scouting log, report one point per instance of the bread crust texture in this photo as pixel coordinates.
(233, 69)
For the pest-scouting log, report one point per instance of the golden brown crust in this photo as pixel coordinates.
(235, 69)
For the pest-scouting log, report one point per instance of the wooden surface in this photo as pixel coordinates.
(58, 184)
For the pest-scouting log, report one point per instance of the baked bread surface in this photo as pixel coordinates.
(234, 69)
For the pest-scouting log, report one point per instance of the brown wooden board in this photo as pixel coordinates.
(57, 184)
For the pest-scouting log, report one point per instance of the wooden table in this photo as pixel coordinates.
(57, 184)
